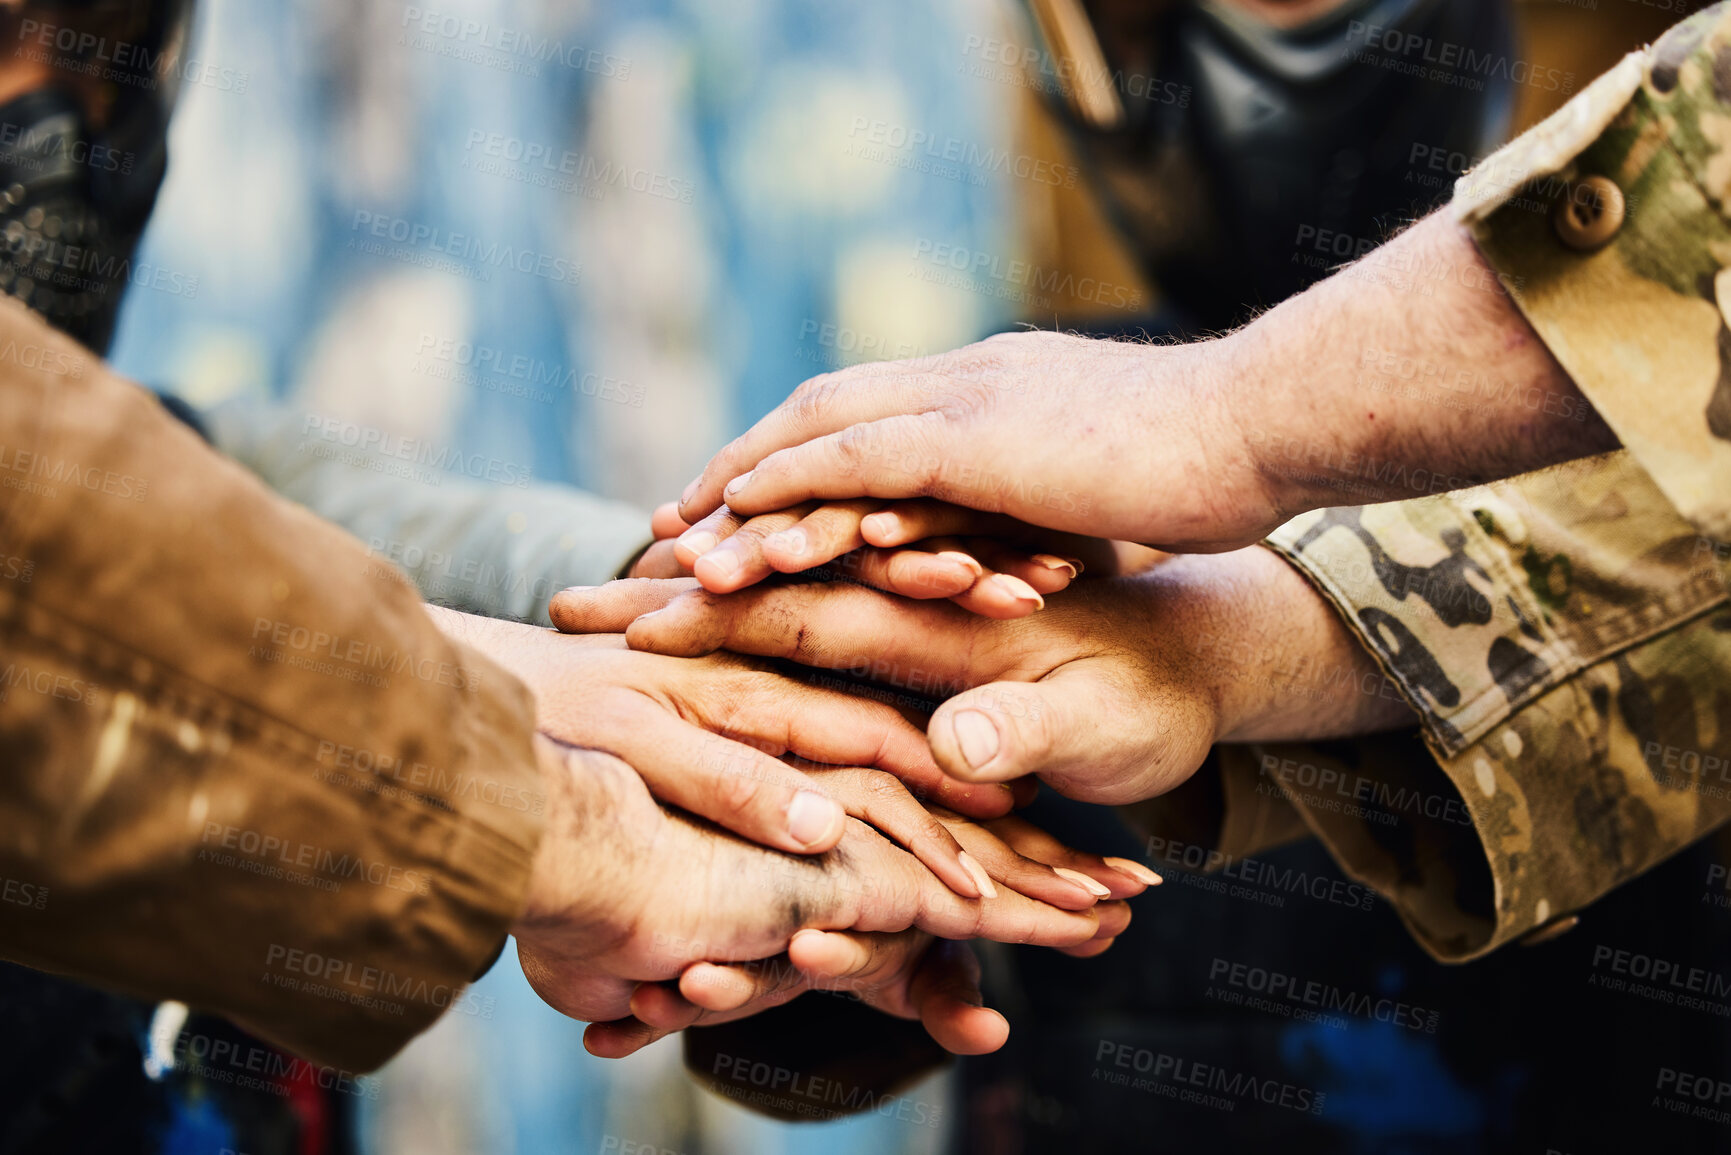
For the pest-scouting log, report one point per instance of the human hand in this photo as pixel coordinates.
(1347, 391)
(1112, 694)
(907, 974)
(1107, 439)
(707, 736)
(624, 892)
(910, 975)
(987, 563)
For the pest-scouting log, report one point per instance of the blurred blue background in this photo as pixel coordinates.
(595, 241)
(697, 213)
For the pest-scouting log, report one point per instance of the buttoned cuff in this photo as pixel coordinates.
(1559, 635)
(1607, 225)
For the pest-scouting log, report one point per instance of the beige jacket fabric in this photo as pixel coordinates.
(242, 767)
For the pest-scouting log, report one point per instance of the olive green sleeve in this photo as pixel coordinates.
(1565, 639)
(1634, 307)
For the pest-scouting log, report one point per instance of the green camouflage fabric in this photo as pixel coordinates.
(1640, 324)
(1566, 639)
(1565, 636)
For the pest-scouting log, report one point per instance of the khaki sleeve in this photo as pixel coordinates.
(1566, 641)
(1635, 312)
(243, 767)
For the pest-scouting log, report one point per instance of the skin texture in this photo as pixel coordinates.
(910, 974)
(1194, 651)
(631, 904)
(624, 892)
(1199, 447)
(708, 737)
(989, 564)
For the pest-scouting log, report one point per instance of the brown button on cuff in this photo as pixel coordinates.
(1589, 214)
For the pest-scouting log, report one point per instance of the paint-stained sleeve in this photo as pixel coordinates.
(243, 767)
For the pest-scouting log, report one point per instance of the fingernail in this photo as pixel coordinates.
(977, 735)
(978, 874)
(879, 525)
(966, 559)
(723, 563)
(577, 589)
(788, 541)
(1018, 589)
(699, 541)
(972, 888)
(812, 817)
(689, 490)
(1083, 881)
(1135, 870)
(737, 484)
(1054, 562)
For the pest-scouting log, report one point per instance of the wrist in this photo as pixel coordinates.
(488, 635)
(534, 655)
(1210, 401)
(1407, 373)
(1255, 368)
(574, 864)
(1271, 653)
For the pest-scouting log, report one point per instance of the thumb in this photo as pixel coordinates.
(1002, 730)
(1072, 728)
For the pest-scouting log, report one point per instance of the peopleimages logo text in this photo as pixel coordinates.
(464, 247)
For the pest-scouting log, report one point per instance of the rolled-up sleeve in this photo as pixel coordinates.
(1634, 308)
(244, 769)
(1564, 636)
(1566, 641)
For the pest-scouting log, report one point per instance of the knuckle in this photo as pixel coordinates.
(722, 522)
(809, 404)
(726, 462)
(1026, 721)
(1033, 730)
(883, 787)
(864, 964)
(737, 788)
(854, 447)
(927, 433)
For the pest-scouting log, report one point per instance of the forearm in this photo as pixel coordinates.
(1408, 372)
(1280, 663)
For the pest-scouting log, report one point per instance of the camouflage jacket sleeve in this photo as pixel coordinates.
(1633, 307)
(1566, 639)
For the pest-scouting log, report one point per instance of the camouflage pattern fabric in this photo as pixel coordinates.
(1640, 324)
(1566, 638)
